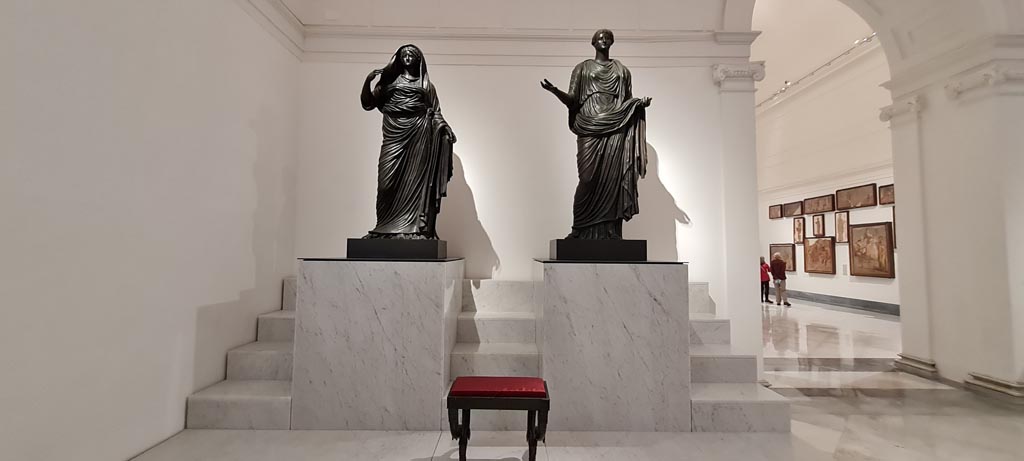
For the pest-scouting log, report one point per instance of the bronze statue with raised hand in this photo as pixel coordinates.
(416, 154)
(611, 142)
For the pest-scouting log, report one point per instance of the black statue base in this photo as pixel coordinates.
(598, 250)
(397, 249)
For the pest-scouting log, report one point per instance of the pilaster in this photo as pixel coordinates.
(739, 200)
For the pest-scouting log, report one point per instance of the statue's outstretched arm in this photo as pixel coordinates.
(561, 95)
(367, 97)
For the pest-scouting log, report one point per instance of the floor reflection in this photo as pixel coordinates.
(811, 330)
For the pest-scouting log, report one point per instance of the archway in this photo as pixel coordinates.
(937, 51)
(818, 132)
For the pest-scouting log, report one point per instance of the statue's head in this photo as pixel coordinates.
(603, 39)
(410, 56)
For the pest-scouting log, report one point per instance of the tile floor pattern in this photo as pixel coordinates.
(833, 364)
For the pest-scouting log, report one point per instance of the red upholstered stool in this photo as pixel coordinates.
(499, 393)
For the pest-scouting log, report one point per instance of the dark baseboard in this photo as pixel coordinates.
(852, 303)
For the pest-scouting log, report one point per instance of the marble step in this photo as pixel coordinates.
(288, 293)
(497, 327)
(700, 299)
(276, 326)
(717, 363)
(495, 359)
(738, 407)
(706, 329)
(261, 360)
(241, 405)
(498, 296)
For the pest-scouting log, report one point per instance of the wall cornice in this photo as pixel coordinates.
(279, 21)
(498, 46)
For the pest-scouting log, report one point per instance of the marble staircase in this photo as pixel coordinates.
(257, 391)
(497, 334)
(725, 395)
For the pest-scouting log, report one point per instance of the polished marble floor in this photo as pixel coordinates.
(812, 331)
(833, 363)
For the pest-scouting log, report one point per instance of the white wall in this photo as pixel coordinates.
(515, 173)
(827, 129)
(822, 136)
(147, 199)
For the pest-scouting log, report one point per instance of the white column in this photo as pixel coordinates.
(960, 218)
(986, 104)
(739, 203)
(904, 119)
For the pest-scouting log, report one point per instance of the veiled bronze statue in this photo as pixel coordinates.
(416, 154)
(611, 144)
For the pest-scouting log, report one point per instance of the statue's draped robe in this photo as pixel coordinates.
(611, 148)
(415, 160)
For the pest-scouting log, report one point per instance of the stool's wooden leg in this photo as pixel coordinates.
(464, 435)
(453, 422)
(531, 433)
(542, 426)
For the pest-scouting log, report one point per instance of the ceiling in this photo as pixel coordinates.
(797, 36)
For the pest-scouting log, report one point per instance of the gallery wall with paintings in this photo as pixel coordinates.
(840, 235)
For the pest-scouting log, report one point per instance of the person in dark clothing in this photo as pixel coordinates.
(765, 279)
(778, 268)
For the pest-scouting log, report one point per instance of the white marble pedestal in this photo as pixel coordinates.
(615, 346)
(373, 343)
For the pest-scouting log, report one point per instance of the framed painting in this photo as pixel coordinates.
(820, 255)
(793, 209)
(798, 231)
(857, 197)
(871, 250)
(820, 204)
(818, 225)
(775, 212)
(887, 195)
(788, 252)
(843, 226)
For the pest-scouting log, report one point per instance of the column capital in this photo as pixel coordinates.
(990, 76)
(912, 105)
(752, 71)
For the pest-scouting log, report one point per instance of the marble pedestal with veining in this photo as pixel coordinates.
(616, 346)
(373, 342)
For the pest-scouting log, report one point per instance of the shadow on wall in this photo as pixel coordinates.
(658, 215)
(459, 224)
(223, 326)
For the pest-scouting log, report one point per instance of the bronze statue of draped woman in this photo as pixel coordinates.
(611, 143)
(416, 155)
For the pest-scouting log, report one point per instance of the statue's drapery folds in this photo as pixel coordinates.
(416, 154)
(611, 148)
